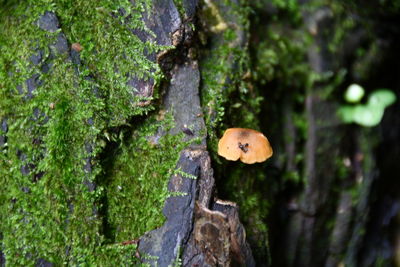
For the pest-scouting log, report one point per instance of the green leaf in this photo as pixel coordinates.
(368, 115)
(346, 113)
(382, 98)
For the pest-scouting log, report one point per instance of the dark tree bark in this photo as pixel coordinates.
(110, 117)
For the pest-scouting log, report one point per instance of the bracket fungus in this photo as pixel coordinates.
(250, 146)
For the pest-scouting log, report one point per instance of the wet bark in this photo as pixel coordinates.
(328, 219)
(197, 220)
(199, 228)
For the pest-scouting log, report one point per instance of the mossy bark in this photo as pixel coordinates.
(103, 135)
(110, 113)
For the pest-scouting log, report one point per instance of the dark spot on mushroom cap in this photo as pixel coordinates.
(244, 147)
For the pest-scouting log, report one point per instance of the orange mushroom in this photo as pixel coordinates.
(250, 146)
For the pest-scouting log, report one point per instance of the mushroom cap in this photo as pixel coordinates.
(250, 146)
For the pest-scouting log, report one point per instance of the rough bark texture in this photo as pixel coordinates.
(193, 231)
(164, 26)
(110, 114)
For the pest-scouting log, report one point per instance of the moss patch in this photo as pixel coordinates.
(136, 183)
(51, 163)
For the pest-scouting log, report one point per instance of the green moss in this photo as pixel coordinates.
(281, 57)
(123, 255)
(223, 66)
(51, 210)
(105, 40)
(247, 182)
(136, 184)
(180, 6)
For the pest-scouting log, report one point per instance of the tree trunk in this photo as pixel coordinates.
(111, 113)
